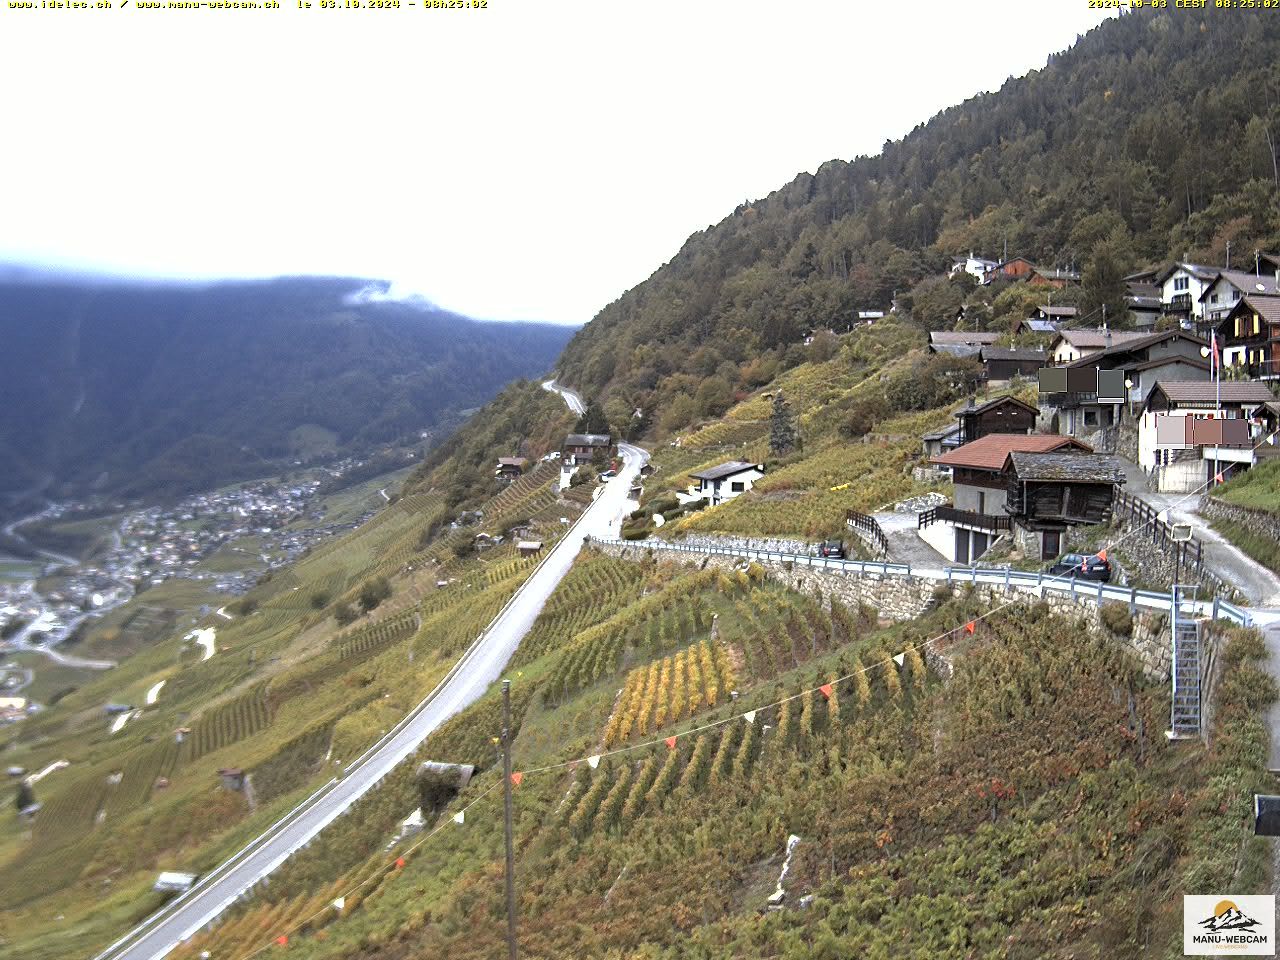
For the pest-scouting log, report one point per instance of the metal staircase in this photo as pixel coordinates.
(1185, 713)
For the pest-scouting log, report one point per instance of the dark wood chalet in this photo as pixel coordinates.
(1054, 490)
(1001, 415)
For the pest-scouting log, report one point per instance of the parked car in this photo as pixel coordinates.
(833, 549)
(608, 474)
(1082, 566)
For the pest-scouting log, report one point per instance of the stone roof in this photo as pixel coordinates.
(587, 440)
(1070, 467)
(962, 336)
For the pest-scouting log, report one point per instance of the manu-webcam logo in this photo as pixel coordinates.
(1229, 926)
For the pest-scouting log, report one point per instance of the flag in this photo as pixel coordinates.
(399, 863)
(670, 742)
(1217, 478)
(900, 658)
(970, 626)
(339, 903)
(593, 762)
(516, 778)
(826, 690)
(749, 716)
(460, 816)
(282, 940)
(1217, 359)
(1102, 554)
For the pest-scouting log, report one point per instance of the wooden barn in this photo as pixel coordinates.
(1048, 492)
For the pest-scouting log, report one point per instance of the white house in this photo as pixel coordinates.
(1070, 345)
(1190, 431)
(1181, 286)
(727, 480)
(1229, 286)
(976, 267)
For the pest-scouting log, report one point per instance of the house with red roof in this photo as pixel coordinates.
(1032, 488)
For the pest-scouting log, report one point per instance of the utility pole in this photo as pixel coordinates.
(1228, 255)
(506, 803)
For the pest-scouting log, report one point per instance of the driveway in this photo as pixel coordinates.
(1256, 582)
(905, 544)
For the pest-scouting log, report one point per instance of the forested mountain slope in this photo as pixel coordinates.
(165, 388)
(1155, 132)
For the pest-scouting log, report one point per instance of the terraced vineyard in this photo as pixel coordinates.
(669, 690)
(227, 724)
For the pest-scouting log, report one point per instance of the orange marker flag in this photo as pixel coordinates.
(826, 690)
(670, 742)
(1217, 478)
(399, 863)
(516, 778)
(970, 626)
(282, 940)
(1102, 554)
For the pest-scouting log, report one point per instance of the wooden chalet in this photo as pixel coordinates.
(1050, 491)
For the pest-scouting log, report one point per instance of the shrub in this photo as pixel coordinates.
(319, 600)
(1115, 617)
(345, 614)
(374, 592)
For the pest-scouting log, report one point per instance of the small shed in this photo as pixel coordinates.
(527, 548)
(1055, 489)
(510, 467)
(231, 778)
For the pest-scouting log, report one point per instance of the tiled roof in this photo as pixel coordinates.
(999, 401)
(1266, 307)
(1053, 311)
(1206, 391)
(1098, 338)
(1247, 283)
(587, 440)
(1139, 342)
(990, 452)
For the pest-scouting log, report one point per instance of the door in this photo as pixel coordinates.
(1050, 544)
(962, 546)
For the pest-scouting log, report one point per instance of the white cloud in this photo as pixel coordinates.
(531, 160)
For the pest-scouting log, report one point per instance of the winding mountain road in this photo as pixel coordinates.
(479, 667)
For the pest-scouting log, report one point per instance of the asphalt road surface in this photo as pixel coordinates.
(479, 668)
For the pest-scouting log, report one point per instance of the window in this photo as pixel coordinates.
(738, 486)
(1213, 298)
(1235, 295)
(1180, 283)
(1091, 418)
(1256, 322)
(982, 502)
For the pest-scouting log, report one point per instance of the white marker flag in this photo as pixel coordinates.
(749, 716)
(593, 762)
(460, 816)
(900, 658)
(339, 904)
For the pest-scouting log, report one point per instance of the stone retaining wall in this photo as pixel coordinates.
(700, 541)
(906, 598)
(1259, 521)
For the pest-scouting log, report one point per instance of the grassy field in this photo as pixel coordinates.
(1256, 489)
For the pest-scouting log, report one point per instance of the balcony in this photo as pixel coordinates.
(1178, 303)
(967, 518)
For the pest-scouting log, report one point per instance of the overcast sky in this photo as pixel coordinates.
(531, 160)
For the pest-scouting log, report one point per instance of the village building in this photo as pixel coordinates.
(1142, 297)
(1181, 285)
(509, 468)
(1031, 326)
(1190, 433)
(1003, 363)
(1085, 408)
(584, 447)
(1229, 287)
(975, 267)
(726, 481)
(1070, 345)
(961, 343)
(1249, 337)
(1050, 493)
(978, 515)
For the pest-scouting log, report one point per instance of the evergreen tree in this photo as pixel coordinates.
(593, 419)
(1102, 284)
(783, 437)
(25, 796)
